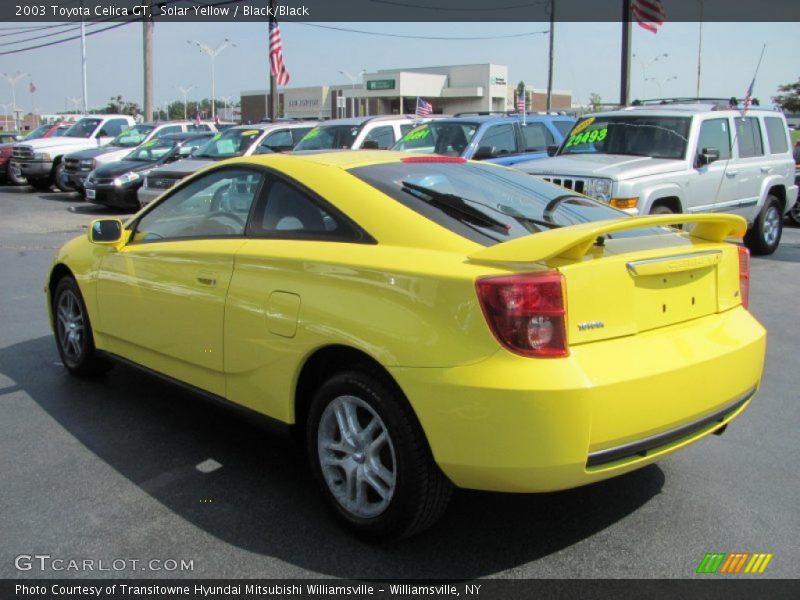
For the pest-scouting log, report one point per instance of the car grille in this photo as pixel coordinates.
(103, 181)
(161, 183)
(22, 152)
(71, 165)
(577, 185)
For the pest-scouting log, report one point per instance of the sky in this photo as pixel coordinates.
(586, 59)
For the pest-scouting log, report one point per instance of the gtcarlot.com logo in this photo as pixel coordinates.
(734, 563)
(46, 562)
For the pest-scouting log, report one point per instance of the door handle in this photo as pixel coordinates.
(766, 169)
(207, 278)
(730, 173)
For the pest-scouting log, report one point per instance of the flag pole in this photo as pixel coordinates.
(273, 88)
(625, 75)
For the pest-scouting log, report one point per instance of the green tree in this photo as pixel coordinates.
(595, 101)
(789, 98)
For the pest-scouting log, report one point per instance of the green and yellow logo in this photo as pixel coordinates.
(734, 563)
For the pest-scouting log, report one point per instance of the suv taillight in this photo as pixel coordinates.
(744, 275)
(526, 313)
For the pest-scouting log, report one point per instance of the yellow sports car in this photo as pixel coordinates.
(424, 321)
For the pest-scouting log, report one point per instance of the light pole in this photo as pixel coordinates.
(5, 114)
(12, 80)
(185, 91)
(353, 79)
(226, 100)
(661, 83)
(76, 100)
(213, 53)
(645, 64)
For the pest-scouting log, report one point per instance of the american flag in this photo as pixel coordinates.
(276, 65)
(521, 103)
(648, 13)
(32, 88)
(424, 108)
(748, 96)
(197, 117)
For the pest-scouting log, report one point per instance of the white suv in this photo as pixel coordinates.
(682, 158)
(377, 133)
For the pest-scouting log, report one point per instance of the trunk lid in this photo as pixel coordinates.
(627, 285)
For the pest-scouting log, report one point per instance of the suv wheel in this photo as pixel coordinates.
(765, 234)
(371, 459)
(661, 209)
(57, 174)
(794, 214)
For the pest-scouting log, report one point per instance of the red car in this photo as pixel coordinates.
(43, 131)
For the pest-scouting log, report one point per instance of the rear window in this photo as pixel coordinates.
(776, 134)
(484, 203)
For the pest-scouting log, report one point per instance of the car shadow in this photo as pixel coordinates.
(262, 499)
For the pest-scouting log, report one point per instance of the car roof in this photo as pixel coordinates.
(185, 135)
(503, 118)
(682, 110)
(268, 126)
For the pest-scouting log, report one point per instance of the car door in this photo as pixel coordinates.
(502, 140)
(281, 279)
(161, 298)
(711, 187)
(381, 138)
(748, 167)
(536, 137)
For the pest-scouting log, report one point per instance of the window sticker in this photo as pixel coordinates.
(581, 126)
(417, 134)
(587, 137)
(312, 134)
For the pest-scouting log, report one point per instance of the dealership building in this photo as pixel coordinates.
(450, 89)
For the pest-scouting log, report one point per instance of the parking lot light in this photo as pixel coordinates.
(213, 53)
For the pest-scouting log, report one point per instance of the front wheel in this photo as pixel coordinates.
(765, 234)
(57, 177)
(73, 332)
(371, 459)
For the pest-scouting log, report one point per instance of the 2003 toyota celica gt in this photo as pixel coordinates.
(425, 321)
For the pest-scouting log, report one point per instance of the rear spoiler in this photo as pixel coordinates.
(574, 241)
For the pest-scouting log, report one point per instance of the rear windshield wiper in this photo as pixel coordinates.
(456, 204)
(514, 213)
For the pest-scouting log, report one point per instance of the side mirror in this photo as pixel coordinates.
(551, 150)
(707, 156)
(484, 152)
(105, 232)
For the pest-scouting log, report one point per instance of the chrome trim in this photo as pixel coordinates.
(631, 266)
(641, 447)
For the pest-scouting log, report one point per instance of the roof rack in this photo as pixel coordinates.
(487, 113)
(716, 103)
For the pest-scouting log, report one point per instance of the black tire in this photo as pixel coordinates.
(419, 491)
(661, 209)
(765, 234)
(73, 332)
(57, 172)
(794, 213)
(12, 180)
(40, 184)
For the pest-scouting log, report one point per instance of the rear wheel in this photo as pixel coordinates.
(73, 332)
(765, 234)
(371, 459)
(661, 209)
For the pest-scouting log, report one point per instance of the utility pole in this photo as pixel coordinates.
(699, 49)
(550, 66)
(625, 75)
(147, 32)
(83, 65)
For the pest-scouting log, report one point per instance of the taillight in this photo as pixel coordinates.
(526, 313)
(744, 275)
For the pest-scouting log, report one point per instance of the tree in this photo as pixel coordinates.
(595, 101)
(789, 100)
(119, 106)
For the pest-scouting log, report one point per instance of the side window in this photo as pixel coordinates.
(288, 212)
(168, 129)
(277, 141)
(536, 137)
(196, 127)
(776, 134)
(714, 133)
(114, 127)
(298, 133)
(216, 205)
(383, 136)
(748, 134)
(501, 138)
(189, 146)
(405, 128)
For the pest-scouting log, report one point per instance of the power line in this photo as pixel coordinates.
(425, 37)
(24, 30)
(69, 39)
(459, 9)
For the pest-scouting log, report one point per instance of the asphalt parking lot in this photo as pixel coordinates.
(107, 469)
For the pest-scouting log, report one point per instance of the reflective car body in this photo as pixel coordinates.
(394, 268)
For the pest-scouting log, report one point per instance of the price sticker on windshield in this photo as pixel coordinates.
(417, 134)
(587, 137)
(250, 132)
(148, 144)
(312, 134)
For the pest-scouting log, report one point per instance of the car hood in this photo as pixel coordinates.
(612, 166)
(120, 167)
(56, 142)
(185, 166)
(95, 151)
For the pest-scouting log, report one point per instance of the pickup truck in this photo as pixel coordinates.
(40, 161)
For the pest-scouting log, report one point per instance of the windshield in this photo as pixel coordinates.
(484, 203)
(133, 136)
(447, 139)
(38, 132)
(330, 137)
(233, 142)
(83, 128)
(152, 151)
(61, 130)
(636, 135)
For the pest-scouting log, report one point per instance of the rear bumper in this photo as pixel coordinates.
(524, 425)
